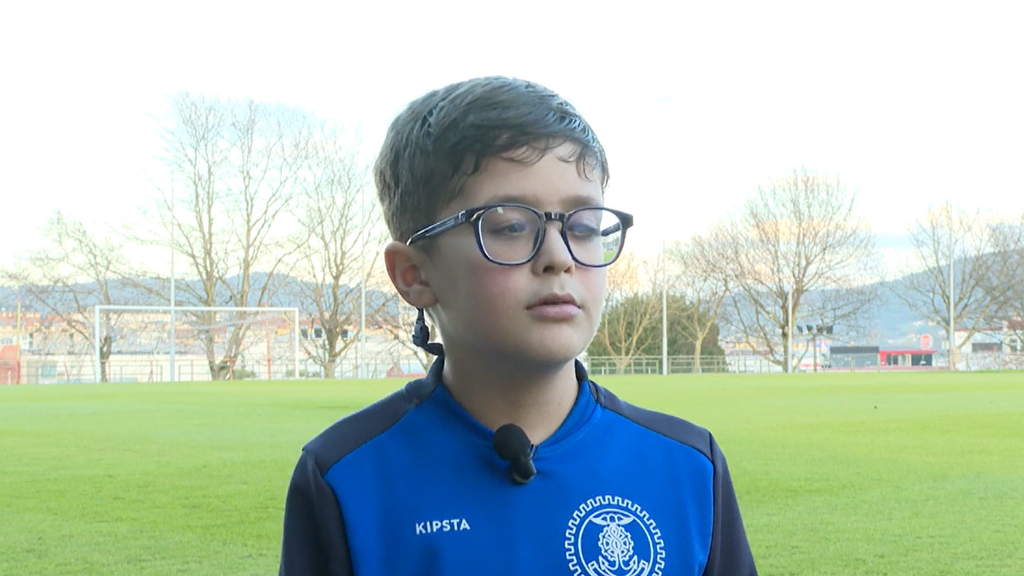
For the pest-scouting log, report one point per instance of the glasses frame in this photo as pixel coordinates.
(474, 216)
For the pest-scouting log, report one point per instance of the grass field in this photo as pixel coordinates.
(881, 474)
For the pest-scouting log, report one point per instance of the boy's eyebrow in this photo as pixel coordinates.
(568, 202)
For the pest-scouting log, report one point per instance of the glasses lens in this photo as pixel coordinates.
(509, 234)
(595, 236)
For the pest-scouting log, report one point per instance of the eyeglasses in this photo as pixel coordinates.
(512, 234)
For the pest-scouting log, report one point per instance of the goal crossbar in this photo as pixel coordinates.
(172, 309)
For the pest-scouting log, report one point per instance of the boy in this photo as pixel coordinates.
(493, 190)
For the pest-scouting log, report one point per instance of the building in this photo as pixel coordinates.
(999, 337)
(853, 357)
(907, 358)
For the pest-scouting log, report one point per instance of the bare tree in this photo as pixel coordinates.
(632, 306)
(799, 235)
(948, 235)
(234, 167)
(342, 234)
(697, 276)
(74, 272)
(1008, 278)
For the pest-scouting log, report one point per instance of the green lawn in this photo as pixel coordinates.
(845, 474)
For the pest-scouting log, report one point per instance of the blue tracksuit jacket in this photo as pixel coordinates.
(412, 486)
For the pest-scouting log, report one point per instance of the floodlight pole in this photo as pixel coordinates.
(174, 335)
(96, 342)
(789, 331)
(17, 352)
(952, 308)
(295, 336)
(362, 324)
(361, 348)
(664, 313)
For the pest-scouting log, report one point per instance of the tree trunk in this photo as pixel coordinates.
(815, 344)
(211, 358)
(219, 369)
(106, 345)
(698, 345)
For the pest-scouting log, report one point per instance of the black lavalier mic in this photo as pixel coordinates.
(514, 446)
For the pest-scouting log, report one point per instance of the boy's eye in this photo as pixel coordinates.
(508, 222)
(584, 225)
(506, 227)
(583, 230)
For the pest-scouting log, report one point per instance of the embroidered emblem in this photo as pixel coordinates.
(612, 536)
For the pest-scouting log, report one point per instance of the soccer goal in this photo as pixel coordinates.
(188, 343)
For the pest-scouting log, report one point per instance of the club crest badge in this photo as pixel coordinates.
(612, 536)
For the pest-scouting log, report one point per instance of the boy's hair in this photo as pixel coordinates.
(445, 136)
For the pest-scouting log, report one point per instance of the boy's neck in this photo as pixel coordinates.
(535, 399)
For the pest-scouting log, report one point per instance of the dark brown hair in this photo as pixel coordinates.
(445, 136)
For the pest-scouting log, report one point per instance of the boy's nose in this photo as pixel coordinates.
(554, 255)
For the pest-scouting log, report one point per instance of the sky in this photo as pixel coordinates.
(910, 104)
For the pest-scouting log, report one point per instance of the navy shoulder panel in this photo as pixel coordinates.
(669, 426)
(358, 428)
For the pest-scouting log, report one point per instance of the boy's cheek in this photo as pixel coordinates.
(600, 284)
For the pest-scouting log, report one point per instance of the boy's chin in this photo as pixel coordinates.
(550, 355)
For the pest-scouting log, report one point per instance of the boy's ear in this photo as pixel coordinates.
(404, 265)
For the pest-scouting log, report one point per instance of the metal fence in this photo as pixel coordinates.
(607, 365)
(753, 364)
(991, 361)
(79, 369)
(380, 360)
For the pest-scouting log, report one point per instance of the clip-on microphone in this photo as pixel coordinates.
(513, 446)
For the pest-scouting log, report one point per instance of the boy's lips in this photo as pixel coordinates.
(555, 307)
(555, 300)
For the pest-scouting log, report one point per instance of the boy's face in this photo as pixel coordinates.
(504, 314)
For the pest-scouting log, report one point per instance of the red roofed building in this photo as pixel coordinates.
(10, 368)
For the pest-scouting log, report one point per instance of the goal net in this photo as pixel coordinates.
(190, 343)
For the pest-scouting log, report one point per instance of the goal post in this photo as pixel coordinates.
(216, 338)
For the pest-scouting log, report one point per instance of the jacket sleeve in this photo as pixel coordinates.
(730, 552)
(314, 541)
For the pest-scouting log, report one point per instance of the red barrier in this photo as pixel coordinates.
(10, 372)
